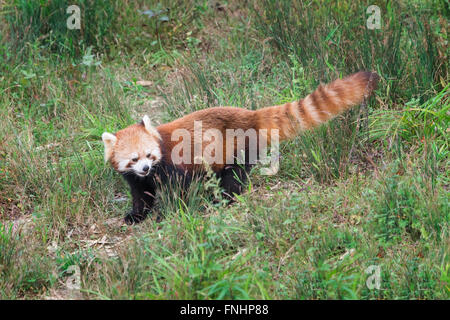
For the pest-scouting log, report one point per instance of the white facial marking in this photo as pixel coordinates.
(139, 167)
(157, 153)
(122, 165)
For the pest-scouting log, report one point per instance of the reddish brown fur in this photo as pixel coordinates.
(290, 119)
(220, 118)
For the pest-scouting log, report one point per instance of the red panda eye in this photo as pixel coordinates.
(135, 159)
(149, 155)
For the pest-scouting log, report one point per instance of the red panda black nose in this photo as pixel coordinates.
(145, 168)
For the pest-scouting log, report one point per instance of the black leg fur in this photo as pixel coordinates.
(143, 189)
(233, 179)
(143, 193)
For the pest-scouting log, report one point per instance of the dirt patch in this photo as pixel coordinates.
(9, 209)
(63, 294)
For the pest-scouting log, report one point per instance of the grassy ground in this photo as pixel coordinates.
(368, 189)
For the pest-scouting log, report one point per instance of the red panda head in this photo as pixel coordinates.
(135, 149)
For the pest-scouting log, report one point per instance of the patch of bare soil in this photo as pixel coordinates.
(64, 294)
(9, 209)
(12, 214)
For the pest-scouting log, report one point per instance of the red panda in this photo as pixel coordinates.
(145, 155)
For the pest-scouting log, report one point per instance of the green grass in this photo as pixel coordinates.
(368, 188)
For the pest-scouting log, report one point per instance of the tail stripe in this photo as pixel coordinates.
(309, 108)
(294, 109)
(293, 119)
(319, 106)
(289, 129)
(326, 103)
(304, 115)
(316, 101)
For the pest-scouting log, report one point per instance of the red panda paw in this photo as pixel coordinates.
(133, 218)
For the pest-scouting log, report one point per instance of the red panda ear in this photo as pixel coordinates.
(148, 126)
(109, 140)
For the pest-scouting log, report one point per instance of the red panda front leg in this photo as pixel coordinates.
(233, 179)
(143, 193)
